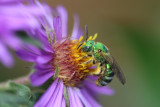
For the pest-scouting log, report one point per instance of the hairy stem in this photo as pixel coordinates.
(20, 80)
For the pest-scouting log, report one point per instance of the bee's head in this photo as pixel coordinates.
(88, 46)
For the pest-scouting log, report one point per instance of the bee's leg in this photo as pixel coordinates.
(94, 62)
(89, 55)
(101, 83)
(90, 61)
(102, 63)
(98, 71)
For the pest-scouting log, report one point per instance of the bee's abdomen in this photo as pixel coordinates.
(102, 83)
(109, 73)
(106, 78)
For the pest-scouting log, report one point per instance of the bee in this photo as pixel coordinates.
(108, 65)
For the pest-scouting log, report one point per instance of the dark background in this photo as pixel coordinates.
(131, 30)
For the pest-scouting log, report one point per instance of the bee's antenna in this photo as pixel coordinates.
(86, 32)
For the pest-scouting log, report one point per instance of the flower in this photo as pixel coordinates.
(59, 59)
(14, 16)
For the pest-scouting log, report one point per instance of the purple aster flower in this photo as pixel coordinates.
(59, 59)
(16, 16)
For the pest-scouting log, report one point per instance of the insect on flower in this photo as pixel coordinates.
(107, 66)
(59, 61)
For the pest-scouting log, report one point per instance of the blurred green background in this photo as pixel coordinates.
(131, 30)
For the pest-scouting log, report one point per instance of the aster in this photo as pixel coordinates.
(15, 16)
(58, 60)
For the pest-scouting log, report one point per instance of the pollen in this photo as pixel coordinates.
(74, 65)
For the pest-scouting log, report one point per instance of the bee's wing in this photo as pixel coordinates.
(118, 71)
(115, 67)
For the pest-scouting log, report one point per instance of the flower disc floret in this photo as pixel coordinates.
(74, 65)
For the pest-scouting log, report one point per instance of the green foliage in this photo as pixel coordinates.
(17, 95)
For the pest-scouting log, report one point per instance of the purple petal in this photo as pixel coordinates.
(93, 67)
(56, 99)
(25, 11)
(12, 41)
(75, 31)
(74, 99)
(44, 67)
(102, 90)
(44, 59)
(25, 55)
(80, 33)
(24, 17)
(90, 98)
(57, 24)
(40, 35)
(92, 78)
(47, 13)
(63, 102)
(5, 56)
(83, 99)
(45, 98)
(19, 23)
(10, 1)
(40, 77)
(73, 102)
(29, 53)
(33, 48)
(59, 98)
(64, 17)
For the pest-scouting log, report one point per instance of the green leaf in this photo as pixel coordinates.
(19, 89)
(17, 95)
(12, 100)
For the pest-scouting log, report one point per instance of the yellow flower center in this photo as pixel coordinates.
(74, 65)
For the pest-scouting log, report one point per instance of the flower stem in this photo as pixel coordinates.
(20, 80)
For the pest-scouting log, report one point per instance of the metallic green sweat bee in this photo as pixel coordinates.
(108, 65)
